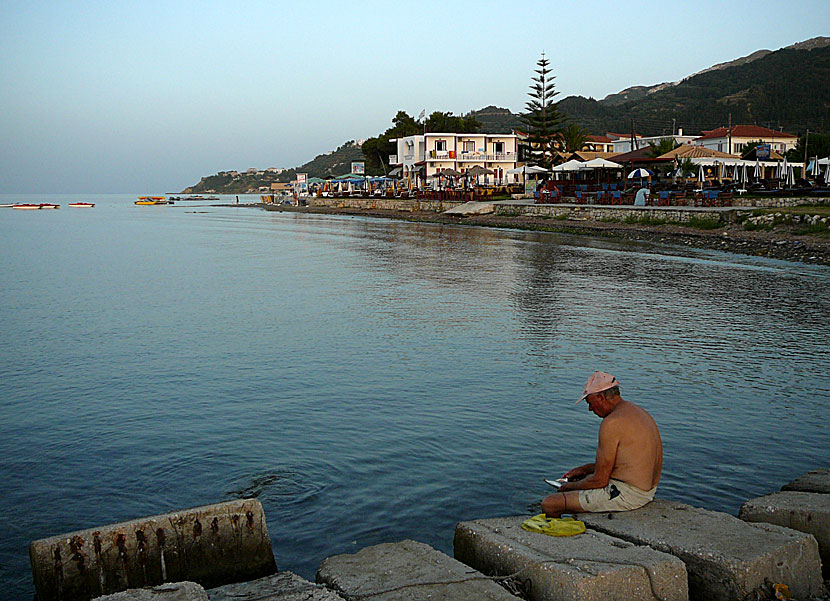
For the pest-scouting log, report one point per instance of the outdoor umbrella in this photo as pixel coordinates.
(757, 173)
(600, 163)
(779, 172)
(744, 177)
(815, 168)
(451, 172)
(700, 176)
(640, 173)
(827, 175)
(572, 165)
(476, 170)
(790, 176)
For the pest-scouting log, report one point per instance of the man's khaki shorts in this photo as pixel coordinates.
(616, 496)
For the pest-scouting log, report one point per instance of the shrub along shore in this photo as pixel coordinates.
(792, 234)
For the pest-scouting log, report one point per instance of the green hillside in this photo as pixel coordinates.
(787, 89)
(336, 162)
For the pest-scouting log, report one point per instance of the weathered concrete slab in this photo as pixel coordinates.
(589, 566)
(404, 571)
(284, 586)
(175, 591)
(726, 558)
(471, 208)
(815, 481)
(803, 511)
(212, 545)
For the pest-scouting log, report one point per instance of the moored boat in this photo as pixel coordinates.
(31, 207)
(82, 205)
(153, 200)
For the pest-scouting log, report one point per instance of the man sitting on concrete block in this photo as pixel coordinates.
(628, 462)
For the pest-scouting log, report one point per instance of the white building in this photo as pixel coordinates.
(623, 144)
(735, 141)
(431, 153)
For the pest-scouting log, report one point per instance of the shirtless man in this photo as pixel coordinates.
(629, 457)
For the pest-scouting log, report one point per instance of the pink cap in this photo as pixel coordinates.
(598, 382)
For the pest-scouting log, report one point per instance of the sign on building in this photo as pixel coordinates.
(762, 152)
(358, 168)
(302, 178)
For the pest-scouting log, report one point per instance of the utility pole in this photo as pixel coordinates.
(633, 137)
(729, 148)
(806, 141)
(673, 122)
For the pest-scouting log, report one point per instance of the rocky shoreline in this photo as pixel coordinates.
(779, 243)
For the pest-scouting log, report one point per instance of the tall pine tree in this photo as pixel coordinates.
(542, 117)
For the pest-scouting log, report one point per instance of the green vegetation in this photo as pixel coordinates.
(787, 88)
(645, 220)
(818, 145)
(782, 89)
(574, 137)
(336, 162)
(810, 220)
(662, 147)
(542, 117)
(699, 223)
(703, 223)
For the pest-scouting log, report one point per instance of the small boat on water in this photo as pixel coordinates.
(32, 207)
(153, 200)
(82, 205)
(6, 205)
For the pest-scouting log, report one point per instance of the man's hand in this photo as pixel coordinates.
(579, 472)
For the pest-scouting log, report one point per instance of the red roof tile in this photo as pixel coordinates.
(604, 139)
(745, 131)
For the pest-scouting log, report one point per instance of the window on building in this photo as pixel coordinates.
(440, 145)
(499, 147)
(469, 146)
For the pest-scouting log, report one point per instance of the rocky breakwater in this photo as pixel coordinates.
(665, 550)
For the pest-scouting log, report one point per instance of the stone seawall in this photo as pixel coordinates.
(610, 213)
(388, 204)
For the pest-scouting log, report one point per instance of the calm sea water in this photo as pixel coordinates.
(373, 380)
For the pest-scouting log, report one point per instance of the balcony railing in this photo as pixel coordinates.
(471, 156)
(393, 159)
(409, 156)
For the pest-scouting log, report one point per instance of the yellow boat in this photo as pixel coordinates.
(153, 200)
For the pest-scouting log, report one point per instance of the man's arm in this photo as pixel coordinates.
(579, 472)
(609, 440)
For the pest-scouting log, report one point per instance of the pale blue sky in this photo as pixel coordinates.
(150, 96)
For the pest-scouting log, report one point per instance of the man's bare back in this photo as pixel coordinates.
(639, 456)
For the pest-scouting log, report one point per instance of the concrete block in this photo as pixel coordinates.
(803, 511)
(283, 586)
(211, 545)
(175, 591)
(585, 567)
(405, 571)
(726, 558)
(815, 481)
